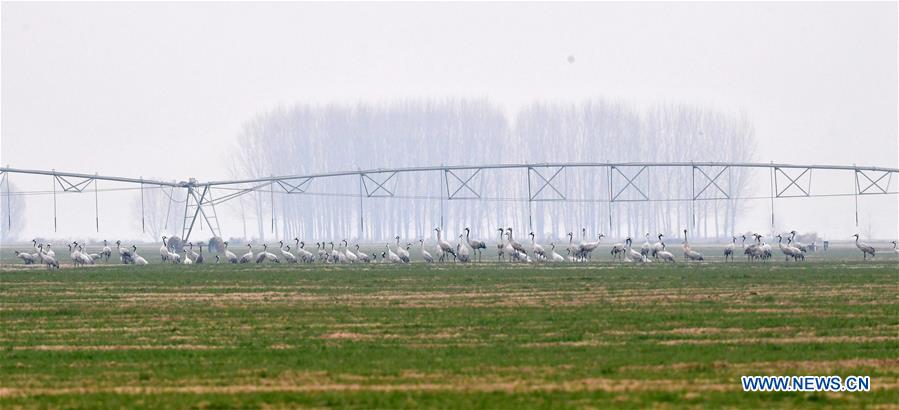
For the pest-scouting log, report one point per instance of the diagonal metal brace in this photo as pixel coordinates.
(712, 181)
(68, 186)
(630, 183)
(379, 186)
(463, 183)
(198, 211)
(547, 182)
(793, 182)
(291, 188)
(873, 183)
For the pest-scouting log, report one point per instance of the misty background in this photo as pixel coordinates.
(221, 90)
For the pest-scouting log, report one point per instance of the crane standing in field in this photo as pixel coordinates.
(538, 250)
(230, 256)
(107, 251)
(658, 247)
(865, 248)
(690, 253)
(729, 249)
(474, 244)
(445, 247)
(646, 249)
(424, 253)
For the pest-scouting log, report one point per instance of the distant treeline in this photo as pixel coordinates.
(304, 139)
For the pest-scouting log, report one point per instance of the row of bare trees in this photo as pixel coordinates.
(305, 139)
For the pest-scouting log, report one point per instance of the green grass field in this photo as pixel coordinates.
(495, 336)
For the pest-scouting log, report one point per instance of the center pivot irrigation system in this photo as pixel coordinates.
(543, 184)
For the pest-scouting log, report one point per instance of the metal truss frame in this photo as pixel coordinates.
(544, 183)
(709, 182)
(793, 182)
(379, 188)
(872, 182)
(630, 182)
(458, 193)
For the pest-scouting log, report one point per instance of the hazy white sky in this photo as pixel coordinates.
(161, 89)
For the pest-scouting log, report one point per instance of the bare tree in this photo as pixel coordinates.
(12, 212)
(306, 139)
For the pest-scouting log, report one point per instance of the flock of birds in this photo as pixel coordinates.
(464, 250)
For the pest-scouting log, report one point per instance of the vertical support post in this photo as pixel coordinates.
(771, 184)
(169, 209)
(610, 200)
(693, 200)
(530, 217)
(446, 184)
(271, 188)
(8, 200)
(143, 226)
(96, 205)
(361, 209)
(54, 200)
(856, 199)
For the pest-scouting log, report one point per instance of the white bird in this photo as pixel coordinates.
(509, 249)
(555, 256)
(515, 244)
(402, 253)
(788, 251)
(25, 257)
(658, 247)
(895, 247)
(247, 257)
(336, 256)
(617, 250)
(199, 258)
(164, 250)
(391, 256)
(689, 253)
(175, 257)
(363, 257)
(445, 247)
(754, 251)
(49, 252)
(107, 251)
(537, 250)
(633, 255)
(74, 256)
(265, 255)
(646, 249)
(288, 257)
(573, 250)
(462, 251)
(187, 260)
(586, 248)
(729, 249)
(350, 256)
(230, 256)
(305, 255)
(425, 254)
(47, 259)
(796, 243)
(865, 248)
(474, 244)
(138, 260)
(190, 251)
(665, 255)
(125, 255)
(501, 245)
